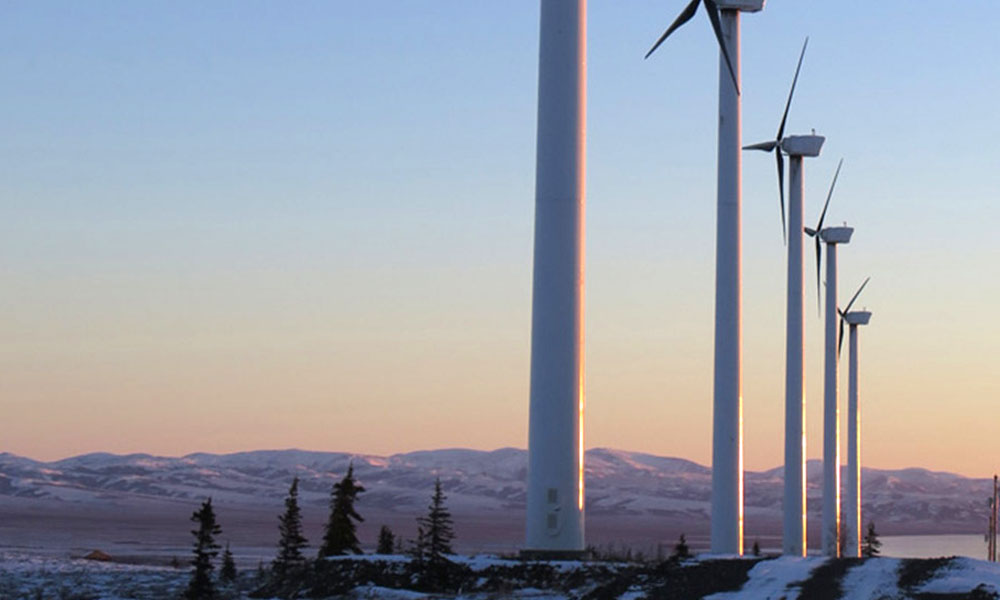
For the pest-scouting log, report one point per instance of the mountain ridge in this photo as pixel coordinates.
(777, 470)
(619, 484)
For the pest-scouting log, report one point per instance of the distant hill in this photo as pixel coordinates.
(620, 485)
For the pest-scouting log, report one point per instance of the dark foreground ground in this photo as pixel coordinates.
(483, 577)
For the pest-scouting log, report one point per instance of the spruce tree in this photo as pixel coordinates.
(437, 528)
(292, 541)
(681, 550)
(386, 541)
(205, 549)
(871, 546)
(341, 535)
(228, 571)
(418, 547)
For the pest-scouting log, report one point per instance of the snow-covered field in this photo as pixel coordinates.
(773, 579)
(40, 577)
(31, 576)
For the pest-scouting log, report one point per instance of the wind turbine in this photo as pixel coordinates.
(727, 420)
(555, 515)
(831, 236)
(794, 526)
(852, 504)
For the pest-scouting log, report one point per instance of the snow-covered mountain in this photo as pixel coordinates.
(619, 484)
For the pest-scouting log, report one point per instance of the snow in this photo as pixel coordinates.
(962, 576)
(374, 591)
(477, 562)
(386, 558)
(870, 579)
(23, 576)
(27, 575)
(480, 562)
(633, 593)
(478, 483)
(773, 579)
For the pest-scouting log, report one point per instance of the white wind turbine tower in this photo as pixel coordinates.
(797, 147)
(555, 516)
(727, 420)
(852, 504)
(831, 236)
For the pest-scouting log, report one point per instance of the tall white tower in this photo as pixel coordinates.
(727, 403)
(832, 236)
(794, 525)
(852, 501)
(555, 515)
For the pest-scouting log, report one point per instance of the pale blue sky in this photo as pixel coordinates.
(317, 216)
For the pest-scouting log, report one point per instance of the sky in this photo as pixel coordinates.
(239, 225)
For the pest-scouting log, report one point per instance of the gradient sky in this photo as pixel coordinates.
(241, 225)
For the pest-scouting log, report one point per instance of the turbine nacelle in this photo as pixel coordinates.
(858, 317)
(845, 314)
(802, 145)
(714, 10)
(741, 5)
(817, 233)
(837, 235)
(775, 144)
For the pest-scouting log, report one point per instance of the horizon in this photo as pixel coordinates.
(708, 466)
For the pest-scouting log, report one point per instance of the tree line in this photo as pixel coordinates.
(429, 551)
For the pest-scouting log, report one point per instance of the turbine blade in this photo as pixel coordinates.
(856, 294)
(829, 195)
(781, 192)
(681, 19)
(765, 146)
(840, 338)
(713, 16)
(788, 103)
(810, 231)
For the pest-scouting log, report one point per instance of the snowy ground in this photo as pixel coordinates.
(32, 576)
(773, 579)
(964, 574)
(39, 577)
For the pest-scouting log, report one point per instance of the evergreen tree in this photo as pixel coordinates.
(756, 548)
(418, 547)
(871, 546)
(341, 535)
(386, 541)
(205, 549)
(228, 570)
(436, 528)
(292, 541)
(681, 550)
